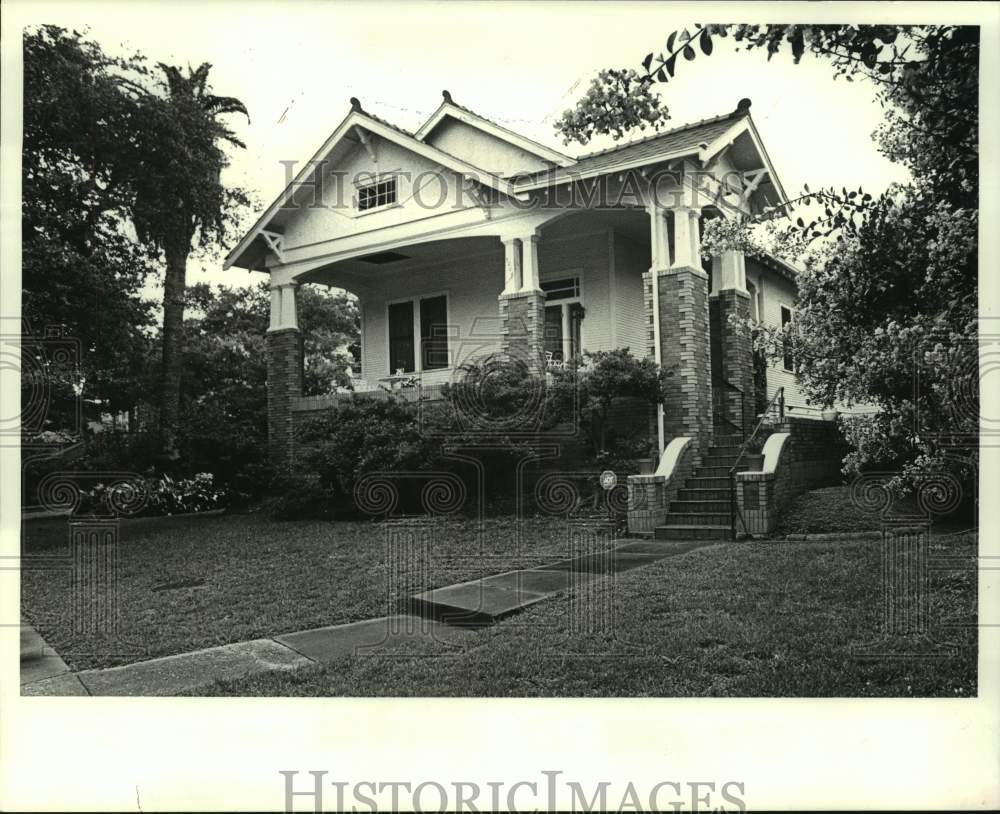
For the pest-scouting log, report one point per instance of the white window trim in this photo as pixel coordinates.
(791, 318)
(372, 179)
(552, 276)
(417, 354)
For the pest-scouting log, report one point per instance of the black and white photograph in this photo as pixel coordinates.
(552, 357)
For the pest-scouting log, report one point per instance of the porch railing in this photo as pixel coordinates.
(776, 404)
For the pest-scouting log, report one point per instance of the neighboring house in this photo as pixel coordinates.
(465, 238)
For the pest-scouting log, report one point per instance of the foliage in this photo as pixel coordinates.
(887, 310)
(603, 378)
(361, 436)
(80, 268)
(616, 101)
(180, 200)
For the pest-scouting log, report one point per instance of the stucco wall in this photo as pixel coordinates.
(483, 150)
(428, 189)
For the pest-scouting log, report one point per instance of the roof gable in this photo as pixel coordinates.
(448, 110)
(348, 134)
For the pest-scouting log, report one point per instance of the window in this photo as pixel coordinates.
(434, 333)
(401, 337)
(788, 362)
(418, 335)
(563, 318)
(561, 289)
(381, 193)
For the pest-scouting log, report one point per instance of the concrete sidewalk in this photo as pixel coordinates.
(448, 616)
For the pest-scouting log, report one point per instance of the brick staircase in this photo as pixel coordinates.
(701, 509)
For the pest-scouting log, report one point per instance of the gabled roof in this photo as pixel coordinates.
(449, 109)
(703, 139)
(358, 118)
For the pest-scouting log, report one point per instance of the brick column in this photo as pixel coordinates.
(284, 373)
(684, 353)
(735, 356)
(732, 349)
(522, 326)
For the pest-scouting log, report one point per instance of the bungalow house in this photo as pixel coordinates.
(466, 238)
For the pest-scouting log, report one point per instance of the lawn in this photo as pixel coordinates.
(750, 619)
(188, 583)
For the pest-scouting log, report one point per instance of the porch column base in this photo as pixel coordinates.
(522, 326)
(732, 360)
(284, 385)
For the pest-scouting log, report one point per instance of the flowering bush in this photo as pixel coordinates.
(163, 496)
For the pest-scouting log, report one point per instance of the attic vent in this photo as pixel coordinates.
(381, 258)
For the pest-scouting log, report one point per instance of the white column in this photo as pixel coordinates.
(284, 307)
(659, 239)
(733, 271)
(512, 266)
(567, 342)
(529, 267)
(687, 243)
(659, 249)
(275, 308)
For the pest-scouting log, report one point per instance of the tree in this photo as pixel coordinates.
(887, 299)
(80, 268)
(179, 198)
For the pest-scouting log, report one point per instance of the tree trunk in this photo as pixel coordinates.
(173, 347)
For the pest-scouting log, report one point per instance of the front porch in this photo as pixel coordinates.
(579, 281)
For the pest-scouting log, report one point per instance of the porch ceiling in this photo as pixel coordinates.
(357, 272)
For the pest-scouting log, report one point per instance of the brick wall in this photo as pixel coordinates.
(284, 386)
(685, 354)
(649, 496)
(732, 357)
(522, 325)
(808, 455)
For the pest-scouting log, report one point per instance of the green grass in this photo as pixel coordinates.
(831, 510)
(753, 619)
(824, 511)
(258, 578)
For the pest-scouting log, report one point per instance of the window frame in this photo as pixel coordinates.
(787, 359)
(418, 367)
(566, 302)
(374, 181)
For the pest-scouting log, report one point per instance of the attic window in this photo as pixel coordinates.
(373, 196)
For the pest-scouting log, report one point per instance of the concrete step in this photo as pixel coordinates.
(718, 460)
(698, 518)
(705, 482)
(704, 494)
(694, 533)
(700, 506)
(725, 449)
(718, 471)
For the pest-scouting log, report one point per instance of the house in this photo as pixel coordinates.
(465, 238)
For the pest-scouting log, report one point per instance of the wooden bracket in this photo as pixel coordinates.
(275, 242)
(367, 142)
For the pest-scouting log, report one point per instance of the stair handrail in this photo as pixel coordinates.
(743, 405)
(734, 509)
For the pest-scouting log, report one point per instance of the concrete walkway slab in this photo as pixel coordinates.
(537, 580)
(38, 660)
(173, 674)
(65, 684)
(605, 562)
(668, 548)
(370, 637)
(475, 603)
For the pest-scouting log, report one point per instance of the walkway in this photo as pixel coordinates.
(447, 615)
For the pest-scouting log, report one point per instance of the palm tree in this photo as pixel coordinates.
(179, 198)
